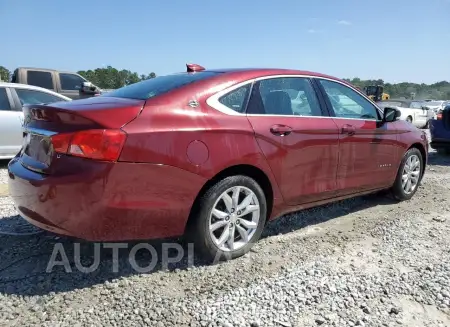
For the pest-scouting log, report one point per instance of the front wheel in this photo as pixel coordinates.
(230, 218)
(409, 175)
(409, 119)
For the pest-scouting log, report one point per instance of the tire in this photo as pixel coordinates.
(409, 119)
(207, 242)
(400, 192)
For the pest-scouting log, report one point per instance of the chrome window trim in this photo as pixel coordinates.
(213, 101)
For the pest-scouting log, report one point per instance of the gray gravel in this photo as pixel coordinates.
(362, 262)
(3, 172)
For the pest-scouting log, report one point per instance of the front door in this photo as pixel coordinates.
(299, 142)
(70, 85)
(11, 126)
(368, 151)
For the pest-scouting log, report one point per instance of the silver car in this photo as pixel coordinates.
(12, 97)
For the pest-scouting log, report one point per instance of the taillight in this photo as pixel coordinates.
(99, 144)
(61, 142)
(439, 116)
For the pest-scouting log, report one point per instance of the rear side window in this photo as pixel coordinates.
(42, 79)
(4, 101)
(36, 97)
(158, 85)
(236, 99)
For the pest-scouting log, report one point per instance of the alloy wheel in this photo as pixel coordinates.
(411, 174)
(234, 218)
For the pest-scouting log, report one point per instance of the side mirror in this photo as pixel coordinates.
(391, 114)
(87, 88)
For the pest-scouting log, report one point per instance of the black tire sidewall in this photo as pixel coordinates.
(202, 238)
(397, 189)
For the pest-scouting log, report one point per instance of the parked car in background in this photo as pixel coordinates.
(440, 131)
(413, 111)
(69, 84)
(211, 153)
(12, 97)
(435, 106)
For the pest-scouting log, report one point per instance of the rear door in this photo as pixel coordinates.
(10, 125)
(368, 152)
(298, 140)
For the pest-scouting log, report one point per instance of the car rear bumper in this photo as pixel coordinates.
(106, 201)
(440, 136)
(440, 143)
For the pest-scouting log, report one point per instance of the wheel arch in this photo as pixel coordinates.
(243, 169)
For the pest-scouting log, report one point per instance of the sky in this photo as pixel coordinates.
(395, 40)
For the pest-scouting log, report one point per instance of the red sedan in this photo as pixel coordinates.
(215, 153)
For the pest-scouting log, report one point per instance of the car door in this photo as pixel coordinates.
(70, 84)
(368, 151)
(299, 142)
(10, 125)
(420, 113)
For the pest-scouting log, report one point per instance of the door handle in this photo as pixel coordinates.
(280, 130)
(348, 129)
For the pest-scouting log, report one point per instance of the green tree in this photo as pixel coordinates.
(4, 74)
(111, 78)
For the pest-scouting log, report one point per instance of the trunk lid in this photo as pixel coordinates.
(41, 122)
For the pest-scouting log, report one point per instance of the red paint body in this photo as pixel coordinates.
(172, 150)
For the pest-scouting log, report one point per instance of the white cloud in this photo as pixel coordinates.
(344, 22)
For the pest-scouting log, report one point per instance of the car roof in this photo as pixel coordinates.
(32, 87)
(252, 73)
(270, 71)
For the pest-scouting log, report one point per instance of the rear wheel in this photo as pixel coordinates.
(230, 218)
(409, 175)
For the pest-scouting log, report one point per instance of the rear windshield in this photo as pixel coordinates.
(158, 85)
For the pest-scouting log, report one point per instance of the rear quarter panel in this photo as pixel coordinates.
(200, 140)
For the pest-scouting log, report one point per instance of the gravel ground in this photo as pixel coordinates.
(362, 262)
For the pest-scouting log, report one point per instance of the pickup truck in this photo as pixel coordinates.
(69, 84)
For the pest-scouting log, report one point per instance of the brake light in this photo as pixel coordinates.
(61, 142)
(99, 144)
(439, 116)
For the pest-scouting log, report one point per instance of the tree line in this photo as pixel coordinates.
(436, 91)
(105, 78)
(112, 78)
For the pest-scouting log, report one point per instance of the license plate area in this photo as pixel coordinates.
(37, 150)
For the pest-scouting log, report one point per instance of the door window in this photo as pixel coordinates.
(347, 103)
(71, 82)
(236, 99)
(41, 79)
(36, 97)
(4, 100)
(291, 96)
